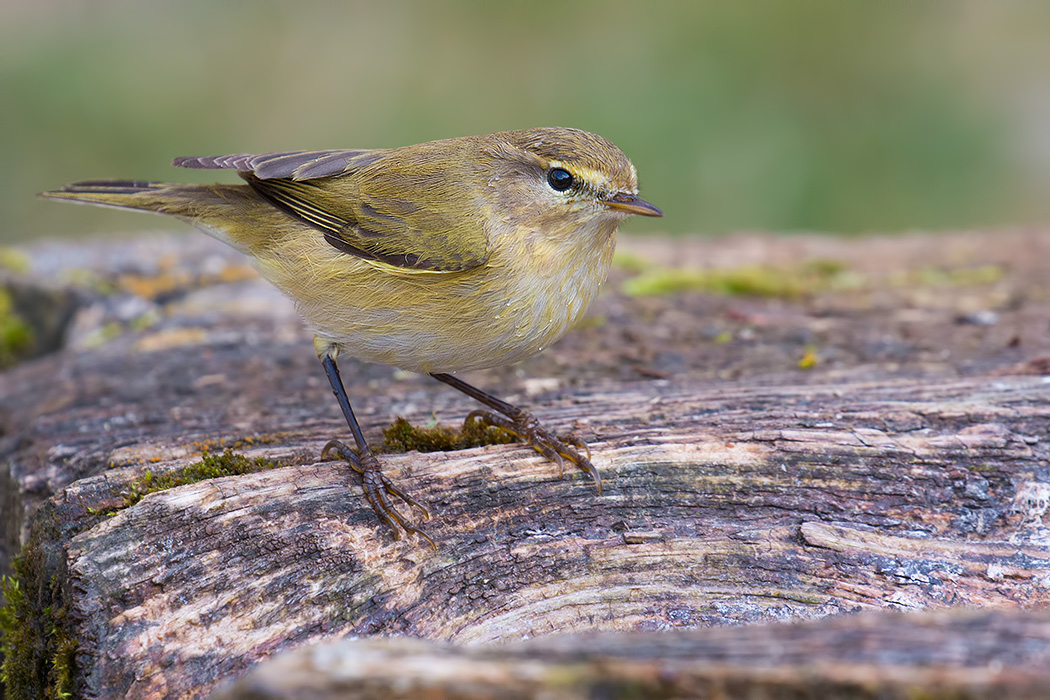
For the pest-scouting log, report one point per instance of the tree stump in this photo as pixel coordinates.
(867, 432)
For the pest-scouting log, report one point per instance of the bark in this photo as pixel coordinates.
(779, 496)
(886, 656)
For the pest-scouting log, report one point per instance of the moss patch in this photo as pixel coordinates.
(211, 466)
(402, 436)
(14, 260)
(64, 654)
(207, 446)
(809, 358)
(14, 634)
(754, 280)
(931, 276)
(17, 340)
(38, 652)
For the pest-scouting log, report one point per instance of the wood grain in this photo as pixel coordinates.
(750, 508)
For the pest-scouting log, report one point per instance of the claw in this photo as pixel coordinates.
(576, 442)
(377, 488)
(556, 448)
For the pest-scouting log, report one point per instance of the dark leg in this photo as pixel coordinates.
(517, 421)
(377, 487)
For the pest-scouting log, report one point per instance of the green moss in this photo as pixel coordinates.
(984, 468)
(809, 358)
(932, 276)
(799, 597)
(38, 648)
(14, 644)
(64, 664)
(39, 654)
(145, 321)
(100, 336)
(630, 262)
(752, 280)
(958, 277)
(89, 280)
(811, 277)
(241, 443)
(17, 340)
(14, 260)
(211, 466)
(402, 436)
(985, 274)
(63, 650)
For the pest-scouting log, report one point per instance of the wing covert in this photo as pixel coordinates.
(296, 165)
(413, 207)
(384, 228)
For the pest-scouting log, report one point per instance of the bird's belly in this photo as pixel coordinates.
(475, 322)
(457, 334)
(512, 307)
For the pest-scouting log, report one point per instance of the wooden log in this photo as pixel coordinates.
(888, 655)
(709, 517)
(781, 495)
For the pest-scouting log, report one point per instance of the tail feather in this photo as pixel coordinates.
(193, 202)
(108, 186)
(125, 194)
(222, 211)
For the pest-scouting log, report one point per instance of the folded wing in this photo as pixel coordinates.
(411, 215)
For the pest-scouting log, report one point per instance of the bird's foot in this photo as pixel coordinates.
(378, 490)
(556, 448)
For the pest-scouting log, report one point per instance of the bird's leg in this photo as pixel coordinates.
(377, 487)
(517, 421)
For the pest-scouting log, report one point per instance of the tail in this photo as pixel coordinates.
(183, 201)
(221, 211)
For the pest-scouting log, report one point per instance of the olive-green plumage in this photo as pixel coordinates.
(439, 257)
(451, 255)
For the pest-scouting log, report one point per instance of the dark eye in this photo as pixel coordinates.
(560, 179)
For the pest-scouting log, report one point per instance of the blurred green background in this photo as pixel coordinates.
(835, 115)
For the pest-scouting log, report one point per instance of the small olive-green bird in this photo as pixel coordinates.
(441, 257)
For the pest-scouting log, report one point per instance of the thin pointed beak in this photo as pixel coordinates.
(632, 204)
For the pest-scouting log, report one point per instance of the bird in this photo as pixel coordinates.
(441, 257)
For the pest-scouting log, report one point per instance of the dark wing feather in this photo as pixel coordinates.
(297, 165)
(403, 207)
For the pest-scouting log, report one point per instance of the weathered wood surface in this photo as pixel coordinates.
(898, 496)
(888, 655)
(894, 478)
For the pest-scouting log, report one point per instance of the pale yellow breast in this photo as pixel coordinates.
(529, 293)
